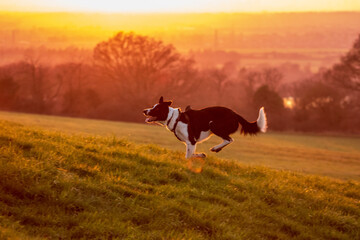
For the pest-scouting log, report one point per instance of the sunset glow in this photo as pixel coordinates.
(289, 102)
(136, 6)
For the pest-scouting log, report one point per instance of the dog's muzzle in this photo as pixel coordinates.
(149, 118)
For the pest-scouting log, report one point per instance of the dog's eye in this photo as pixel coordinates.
(154, 110)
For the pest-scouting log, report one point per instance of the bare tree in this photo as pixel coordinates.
(271, 77)
(219, 79)
(250, 80)
(72, 79)
(38, 88)
(142, 68)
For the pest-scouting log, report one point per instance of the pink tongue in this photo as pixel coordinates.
(150, 119)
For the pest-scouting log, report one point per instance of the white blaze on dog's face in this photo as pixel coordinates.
(158, 112)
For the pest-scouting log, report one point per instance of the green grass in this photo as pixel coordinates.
(334, 156)
(56, 185)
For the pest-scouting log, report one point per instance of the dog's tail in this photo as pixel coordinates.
(253, 128)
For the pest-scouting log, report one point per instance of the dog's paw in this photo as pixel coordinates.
(202, 155)
(214, 149)
(199, 155)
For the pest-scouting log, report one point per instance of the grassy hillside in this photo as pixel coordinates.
(332, 156)
(55, 185)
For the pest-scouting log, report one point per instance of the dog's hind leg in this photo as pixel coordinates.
(190, 151)
(219, 147)
(223, 130)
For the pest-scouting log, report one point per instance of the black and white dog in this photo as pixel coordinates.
(195, 126)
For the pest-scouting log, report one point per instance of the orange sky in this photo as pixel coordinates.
(140, 6)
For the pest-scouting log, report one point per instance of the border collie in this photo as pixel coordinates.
(195, 126)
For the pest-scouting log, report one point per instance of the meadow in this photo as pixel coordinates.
(64, 178)
(333, 156)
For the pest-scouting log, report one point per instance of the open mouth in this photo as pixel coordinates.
(150, 119)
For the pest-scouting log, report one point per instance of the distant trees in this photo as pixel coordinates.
(38, 88)
(129, 72)
(271, 77)
(345, 77)
(217, 79)
(77, 94)
(251, 80)
(8, 92)
(346, 74)
(33, 86)
(318, 107)
(141, 68)
(264, 96)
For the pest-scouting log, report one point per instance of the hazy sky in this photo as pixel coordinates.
(179, 5)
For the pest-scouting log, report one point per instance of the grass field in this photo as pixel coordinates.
(334, 156)
(56, 185)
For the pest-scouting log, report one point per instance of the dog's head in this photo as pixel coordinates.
(159, 112)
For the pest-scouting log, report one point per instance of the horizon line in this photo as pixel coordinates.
(178, 12)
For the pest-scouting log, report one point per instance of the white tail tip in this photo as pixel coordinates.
(262, 121)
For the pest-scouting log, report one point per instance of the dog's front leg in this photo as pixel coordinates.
(190, 151)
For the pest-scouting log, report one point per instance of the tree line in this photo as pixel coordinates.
(128, 72)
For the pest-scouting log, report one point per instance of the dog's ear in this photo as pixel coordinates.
(168, 103)
(161, 100)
